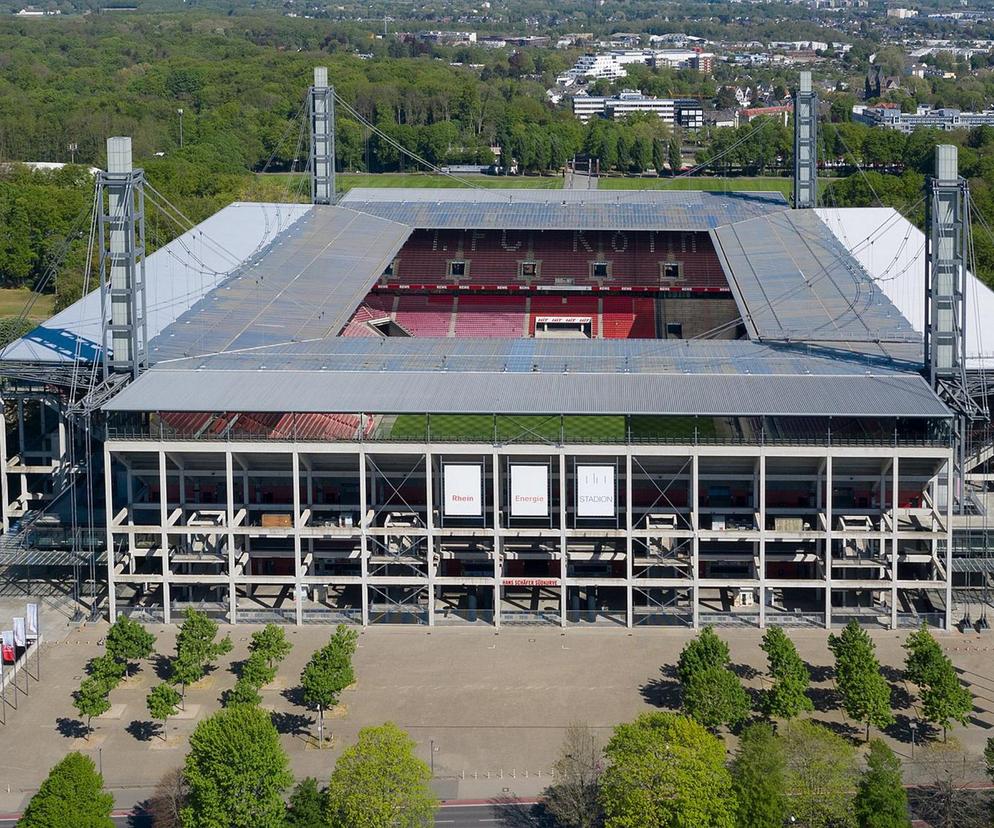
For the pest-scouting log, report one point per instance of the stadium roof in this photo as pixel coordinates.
(795, 281)
(500, 209)
(399, 392)
(892, 251)
(306, 286)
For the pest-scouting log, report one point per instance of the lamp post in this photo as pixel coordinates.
(180, 113)
(914, 730)
(432, 752)
(72, 152)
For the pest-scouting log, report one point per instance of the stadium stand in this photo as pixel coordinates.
(661, 260)
(625, 317)
(492, 316)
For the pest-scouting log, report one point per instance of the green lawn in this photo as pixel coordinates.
(766, 183)
(13, 300)
(535, 428)
(346, 181)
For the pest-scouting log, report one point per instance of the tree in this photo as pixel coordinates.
(257, 671)
(161, 702)
(944, 699)
(91, 700)
(129, 641)
(573, 798)
(881, 801)
(237, 772)
(667, 770)
(675, 155)
(196, 649)
(328, 673)
(244, 692)
(658, 155)
(865, 692)
(714, 697)
(165, 807)
(271, 642)
(107, 669)
(707, 650)
(307, 805)
(945, 793)
(72, 796)
(758, 772)
(379, 783)
(787, 696)
(820, 774)
(989, 757)
(195, 640)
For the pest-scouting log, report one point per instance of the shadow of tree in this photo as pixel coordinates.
(162, 666)
(140, 818)
(843, 729)
(824, 698)
(71, 728)
(819, 672)
(900, 698)
(293, 724)
(892, 674)
(663, 691)
(744, 671)
(294, 695)
(507, 811)
(143, 731)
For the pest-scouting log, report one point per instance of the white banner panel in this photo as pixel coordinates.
(529, 491)
(595, 491)
(463, 484)
(31, 620)
(20, 639)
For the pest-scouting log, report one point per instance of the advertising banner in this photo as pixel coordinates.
(20, 639)
(529, 491)
(595, 491)
(31, 620)
(7, 646)
(463, 490)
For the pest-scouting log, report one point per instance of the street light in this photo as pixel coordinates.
(72, 152)
(433, 751)
(914, 730)
(180, 113)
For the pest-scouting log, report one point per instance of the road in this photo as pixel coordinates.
(457, 815)
(488, 814)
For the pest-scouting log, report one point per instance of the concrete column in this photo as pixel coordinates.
(563, 554)
(229, 485)
(762, 540)
(695, 519)
(950, 497)
(828, 542)
(895, 495)
(629, 543)
(430, 545)
(109, 516)
(298, 586)
(164, 535)
(495, 498)
(363, 537)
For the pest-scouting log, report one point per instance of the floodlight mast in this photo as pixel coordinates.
(121, 240)
(321, 106)
(805, 145)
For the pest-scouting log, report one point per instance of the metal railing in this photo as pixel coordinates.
(529, 618)
(329, 616)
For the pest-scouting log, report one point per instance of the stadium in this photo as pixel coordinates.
(479, 407)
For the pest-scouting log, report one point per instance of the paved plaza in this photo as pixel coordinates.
(494, 707)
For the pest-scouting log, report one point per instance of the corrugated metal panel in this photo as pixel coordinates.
(463, 209)
(305, 286)
(177, 276)
(795, 281)
(555, 356)
(525, 393)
